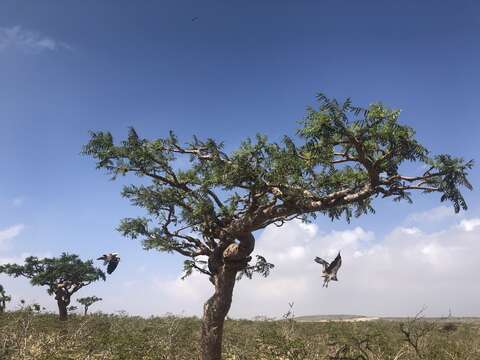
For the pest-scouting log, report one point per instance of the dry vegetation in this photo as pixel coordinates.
(29, 334)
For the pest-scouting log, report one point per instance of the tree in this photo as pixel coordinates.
(343, 158)
(4, 298)
(63, 276)
(88, 301)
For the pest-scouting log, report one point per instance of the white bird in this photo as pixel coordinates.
(112, 260)
(329, 270)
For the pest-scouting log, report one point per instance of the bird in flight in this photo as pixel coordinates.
(112, 260)
(329, 270)
(195, 18)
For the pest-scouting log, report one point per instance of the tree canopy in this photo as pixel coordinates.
(341, 159)
(67, 270)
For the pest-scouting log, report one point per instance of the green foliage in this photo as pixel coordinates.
(67, 271)
(374, 147)
(195, 264)
(343, 157)
(262, 266)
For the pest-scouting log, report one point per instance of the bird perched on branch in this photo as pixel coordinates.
(112, 260)
(329, 270)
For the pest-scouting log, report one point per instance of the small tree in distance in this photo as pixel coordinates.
(4, 298)
(63, 276)
(87, 302)
(343, 158)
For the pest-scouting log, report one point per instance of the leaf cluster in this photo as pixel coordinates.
(261, 266)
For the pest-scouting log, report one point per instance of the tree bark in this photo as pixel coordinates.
(224, 264)
(86, 309)
(214, 312)
(63, 300)
(62, 309)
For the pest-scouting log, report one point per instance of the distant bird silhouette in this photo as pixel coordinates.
(329, 270)
(195, 18)
(112, 260)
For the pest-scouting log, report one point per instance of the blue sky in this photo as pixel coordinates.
(242, 67)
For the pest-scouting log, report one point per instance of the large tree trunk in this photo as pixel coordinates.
(224, 266)
(214, 312)
(63, 300)
(62, 309)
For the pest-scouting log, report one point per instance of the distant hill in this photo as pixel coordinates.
(345, 317)
(338, 317)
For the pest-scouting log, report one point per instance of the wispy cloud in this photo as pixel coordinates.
(434, 215)
(9, 233)
(18, 201)
(20, 259)
(17, 37)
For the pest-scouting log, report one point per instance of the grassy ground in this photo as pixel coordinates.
(26, 334)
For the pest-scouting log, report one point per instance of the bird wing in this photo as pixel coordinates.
(105, 259)
(321, 262)
(112, 265)
(335, 265)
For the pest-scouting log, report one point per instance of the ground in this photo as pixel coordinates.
(27, 334)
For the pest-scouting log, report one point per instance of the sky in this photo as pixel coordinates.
(239, 68)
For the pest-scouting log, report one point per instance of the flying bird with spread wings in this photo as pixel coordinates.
(112, 260)
(329, 270)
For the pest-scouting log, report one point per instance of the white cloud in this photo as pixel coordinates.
(393, 275)
(469, 224)
(408, 230)
(17, 37)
